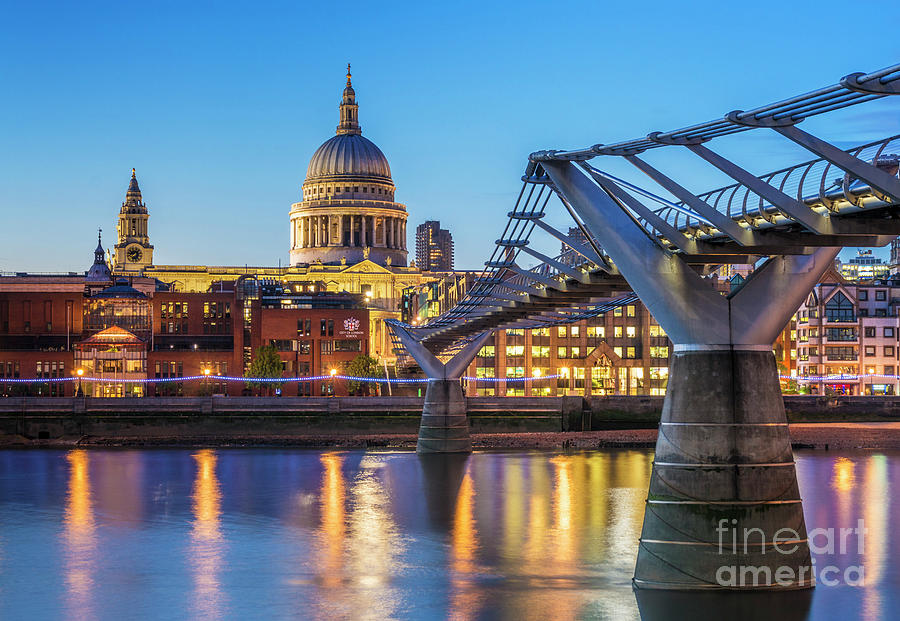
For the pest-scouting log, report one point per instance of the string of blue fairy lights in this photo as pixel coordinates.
(838, 377)
(261, 380)
(396, 380)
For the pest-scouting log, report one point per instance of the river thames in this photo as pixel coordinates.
(284, 533)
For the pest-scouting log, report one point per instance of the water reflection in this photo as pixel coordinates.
(464, 593)
(333, 524)
(876, 503)
(376, 547)
(207, 543)
(79, 538)
(331, 535)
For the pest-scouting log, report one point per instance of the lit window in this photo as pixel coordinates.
(630, 332)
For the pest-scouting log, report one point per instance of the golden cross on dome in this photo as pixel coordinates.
(348, 74)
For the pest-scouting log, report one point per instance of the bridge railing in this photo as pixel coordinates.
(818, 183)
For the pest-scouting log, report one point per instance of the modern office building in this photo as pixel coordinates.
(624, 352)
(865, 266)
(434, 247)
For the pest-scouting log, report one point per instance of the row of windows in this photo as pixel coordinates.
(27, 318)
(842, 353)
(591, 331)
(304, 348)
(337, 189)
(880, 295)
(848, 334)
(9, 369)
(601, 377)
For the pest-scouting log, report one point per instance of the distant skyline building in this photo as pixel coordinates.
(434, 247)
(865, 266)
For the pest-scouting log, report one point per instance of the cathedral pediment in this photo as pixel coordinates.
(366, 267)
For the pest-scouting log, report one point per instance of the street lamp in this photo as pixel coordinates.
(332, 373)
(206, 379)
(79, 372)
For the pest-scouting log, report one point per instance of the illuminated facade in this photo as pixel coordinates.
(624, 352)
(847, 328)
(434, 247)
(123, 334)
(865, 266)
(133, 251)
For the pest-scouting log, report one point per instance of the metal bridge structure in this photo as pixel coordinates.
(723, 464)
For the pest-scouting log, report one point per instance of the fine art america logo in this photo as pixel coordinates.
(351, 324)
(829, 544)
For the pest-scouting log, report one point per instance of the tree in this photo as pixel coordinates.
(266, 363)
(362, 366)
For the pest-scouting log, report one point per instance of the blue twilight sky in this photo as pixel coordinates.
(219, 106)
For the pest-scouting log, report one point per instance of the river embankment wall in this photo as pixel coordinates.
(51, 418)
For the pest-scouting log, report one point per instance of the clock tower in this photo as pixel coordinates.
(133, 251)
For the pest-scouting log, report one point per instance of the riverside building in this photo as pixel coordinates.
(849, 328)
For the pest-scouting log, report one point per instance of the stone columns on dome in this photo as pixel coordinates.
(362, 233)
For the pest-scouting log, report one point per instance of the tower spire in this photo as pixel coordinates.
(134, 190)
(99, 252)
(349, 121)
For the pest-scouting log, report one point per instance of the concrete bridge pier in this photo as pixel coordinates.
(723, 509)
(445, 424)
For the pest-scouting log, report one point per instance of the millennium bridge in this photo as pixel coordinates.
(723, 454)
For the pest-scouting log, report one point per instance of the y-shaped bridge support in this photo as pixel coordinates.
(723, 493)
(445, 424)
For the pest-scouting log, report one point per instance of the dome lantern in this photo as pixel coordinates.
(349, 122)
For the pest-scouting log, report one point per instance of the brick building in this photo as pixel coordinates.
(125, 333)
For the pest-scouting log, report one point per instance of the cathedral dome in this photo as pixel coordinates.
(349, 155)
(347, 211)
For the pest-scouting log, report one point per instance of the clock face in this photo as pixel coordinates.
(134, 254)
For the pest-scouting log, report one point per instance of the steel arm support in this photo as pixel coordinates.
(764, 304)
(684, 303)
(434, 368)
